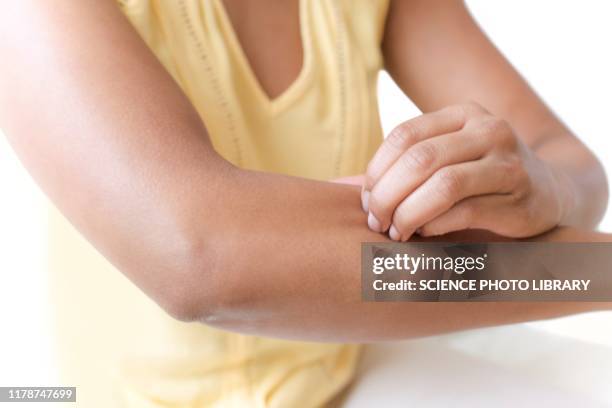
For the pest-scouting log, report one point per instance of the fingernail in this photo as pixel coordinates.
(373, 223)
(394, 233)
(365, 198)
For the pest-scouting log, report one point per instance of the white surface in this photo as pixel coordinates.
(511, 366)
(561, 47)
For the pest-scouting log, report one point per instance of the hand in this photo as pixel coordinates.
(460, 168)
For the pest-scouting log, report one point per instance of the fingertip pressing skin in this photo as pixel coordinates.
(365, 198)
(394, 234)
(374, 224)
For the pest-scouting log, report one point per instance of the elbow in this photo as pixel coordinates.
(182, 306)
(211, 290)
(193, 290)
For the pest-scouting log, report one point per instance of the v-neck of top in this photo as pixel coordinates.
(290, 92)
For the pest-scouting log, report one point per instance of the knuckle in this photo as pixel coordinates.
(448, 183)
(519, 199)
(499, 130)
(490, 125)
(471, 109)
(506, 169)
(420, 158)
(512, 172)
(404, 135)
(523, 186)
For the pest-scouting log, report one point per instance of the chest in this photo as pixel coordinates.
(269, 34)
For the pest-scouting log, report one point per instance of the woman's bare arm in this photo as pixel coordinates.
(115, 144)
(439, 57)
(109, 137)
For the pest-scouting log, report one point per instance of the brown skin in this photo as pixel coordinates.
(502, 162)
(128, 161)
(256, 22)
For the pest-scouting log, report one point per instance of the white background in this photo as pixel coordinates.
(561, 47)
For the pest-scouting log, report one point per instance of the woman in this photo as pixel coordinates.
(210, 193)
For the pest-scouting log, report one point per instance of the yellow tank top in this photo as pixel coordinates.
(116, 345)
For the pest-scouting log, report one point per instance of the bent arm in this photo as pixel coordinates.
(117, 147)
(108, 136)
(438, 56)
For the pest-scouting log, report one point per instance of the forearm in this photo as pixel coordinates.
(293, 272)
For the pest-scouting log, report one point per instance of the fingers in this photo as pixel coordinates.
(447, 120)
(482, 212)
(443, 190)
(416, 165)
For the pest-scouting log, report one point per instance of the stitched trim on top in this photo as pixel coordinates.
(231, 124)
(340, 55)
